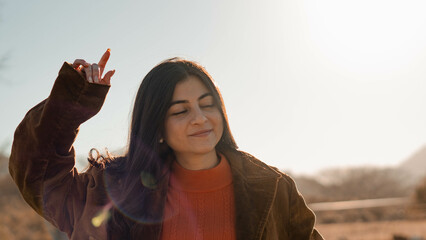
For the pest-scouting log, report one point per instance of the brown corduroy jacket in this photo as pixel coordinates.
(268, 205)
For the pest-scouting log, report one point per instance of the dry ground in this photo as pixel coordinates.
(373, 230)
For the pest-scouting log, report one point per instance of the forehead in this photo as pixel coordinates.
(189, 88)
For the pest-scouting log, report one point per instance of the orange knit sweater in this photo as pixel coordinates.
(200, 204)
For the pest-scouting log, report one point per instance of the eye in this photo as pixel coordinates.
(180, 112)
(207, 106)
(207, 102)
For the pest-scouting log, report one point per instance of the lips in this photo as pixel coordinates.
(201, 133)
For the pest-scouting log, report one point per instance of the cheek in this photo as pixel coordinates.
(173, 130)
(218, 121)
(220, 128)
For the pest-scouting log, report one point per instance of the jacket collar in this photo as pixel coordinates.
(255, 186)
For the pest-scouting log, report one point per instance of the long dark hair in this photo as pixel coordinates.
(142, 174)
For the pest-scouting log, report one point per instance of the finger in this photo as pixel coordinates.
(107, 78)
(95, 73)
(79, 62)
(88, 71)
(104, 59)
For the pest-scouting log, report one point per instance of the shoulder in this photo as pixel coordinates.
(253, 167)
(250, 166)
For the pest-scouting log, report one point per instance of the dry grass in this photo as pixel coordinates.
(373, 230)
(17, 220)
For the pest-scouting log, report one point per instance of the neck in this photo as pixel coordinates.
(197, 161)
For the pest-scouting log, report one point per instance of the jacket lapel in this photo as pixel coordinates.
(255, 186)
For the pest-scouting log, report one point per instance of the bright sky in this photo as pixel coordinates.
(308, 85)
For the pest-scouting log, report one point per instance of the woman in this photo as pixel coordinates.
(181, 178)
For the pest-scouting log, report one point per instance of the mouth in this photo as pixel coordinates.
(201, 133)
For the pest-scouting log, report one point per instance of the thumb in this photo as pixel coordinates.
(107, 77)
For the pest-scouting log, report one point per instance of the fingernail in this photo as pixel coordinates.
(90, 79)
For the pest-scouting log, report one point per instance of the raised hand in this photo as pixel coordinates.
(93, 72)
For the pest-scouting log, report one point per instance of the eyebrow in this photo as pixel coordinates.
(186, 101)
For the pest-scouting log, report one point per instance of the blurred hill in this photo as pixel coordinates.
(415, 165)
(354, 184)
(407, 180)
(4, 163)
(357, 183)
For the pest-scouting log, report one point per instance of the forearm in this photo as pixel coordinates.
(42, 148)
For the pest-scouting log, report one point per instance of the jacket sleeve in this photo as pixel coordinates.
(42, 157)
(302, 219)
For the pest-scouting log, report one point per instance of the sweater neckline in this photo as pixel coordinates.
(206, 180)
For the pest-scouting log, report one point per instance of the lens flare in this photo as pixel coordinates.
(118, 193)
(100, 218)
(148, 180)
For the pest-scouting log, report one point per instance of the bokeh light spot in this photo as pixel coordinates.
(148, 180)
(100, 218)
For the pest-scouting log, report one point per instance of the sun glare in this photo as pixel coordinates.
(366, 38)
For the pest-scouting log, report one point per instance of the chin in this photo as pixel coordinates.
(203, 150)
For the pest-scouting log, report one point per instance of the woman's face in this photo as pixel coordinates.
(193, 123)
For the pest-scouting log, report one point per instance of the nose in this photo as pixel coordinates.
(198, 116)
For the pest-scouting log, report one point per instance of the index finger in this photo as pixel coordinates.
(104, 59)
